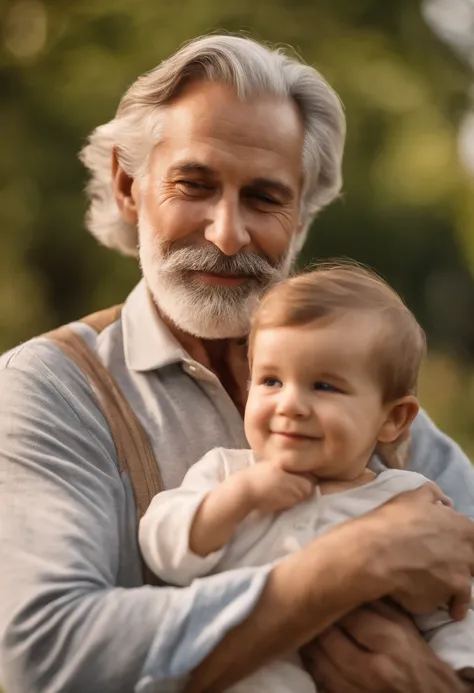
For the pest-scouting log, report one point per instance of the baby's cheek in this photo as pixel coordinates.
(255, 425)
(340, 427)
(333, 418)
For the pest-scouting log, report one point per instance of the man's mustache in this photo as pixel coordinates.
(210, 259)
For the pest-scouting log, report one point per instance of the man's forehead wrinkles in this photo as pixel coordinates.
(251, 134)
(248, 145)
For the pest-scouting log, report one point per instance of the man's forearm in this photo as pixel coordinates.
(304, 595)
(113, 639)
(397, 549)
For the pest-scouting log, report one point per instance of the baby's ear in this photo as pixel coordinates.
(400, 415)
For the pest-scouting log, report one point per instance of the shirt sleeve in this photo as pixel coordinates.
(68, 622)
(453, 641)
(441, 460)
(165, 528)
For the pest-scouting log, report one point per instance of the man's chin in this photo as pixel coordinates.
(217, 332)
(203, 328)
(204, 324)
(216, 313)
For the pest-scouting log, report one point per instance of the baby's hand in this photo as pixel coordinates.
(271, 489)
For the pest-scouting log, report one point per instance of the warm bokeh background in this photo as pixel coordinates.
(404, 72)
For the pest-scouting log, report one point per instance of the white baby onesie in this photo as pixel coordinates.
(263, 539)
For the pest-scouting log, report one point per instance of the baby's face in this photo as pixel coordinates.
(314, 403)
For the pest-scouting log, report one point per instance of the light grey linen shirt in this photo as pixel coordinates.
(73, 614)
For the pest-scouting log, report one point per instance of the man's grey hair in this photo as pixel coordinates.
(251, 69)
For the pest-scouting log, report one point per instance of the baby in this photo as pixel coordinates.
(334, 357)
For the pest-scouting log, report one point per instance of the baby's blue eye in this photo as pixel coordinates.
(325, 387)
(271, 382)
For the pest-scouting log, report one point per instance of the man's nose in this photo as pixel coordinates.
(227, 228)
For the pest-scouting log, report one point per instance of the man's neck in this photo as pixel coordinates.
(208, 352)
(226, 358)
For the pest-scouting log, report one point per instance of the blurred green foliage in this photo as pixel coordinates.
(407, 208)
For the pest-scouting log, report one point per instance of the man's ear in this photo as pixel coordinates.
(125, 191)
(400, 416)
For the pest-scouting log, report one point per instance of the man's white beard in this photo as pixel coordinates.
(204, 310)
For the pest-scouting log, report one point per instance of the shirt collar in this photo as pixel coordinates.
(148, 343)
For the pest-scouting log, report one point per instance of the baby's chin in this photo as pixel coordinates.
(298, 465)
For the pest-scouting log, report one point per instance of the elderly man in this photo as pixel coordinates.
(211, 172)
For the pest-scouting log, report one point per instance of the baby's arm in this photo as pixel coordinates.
(184, 532)
(164, 530)
(262, 486)
(219, 514)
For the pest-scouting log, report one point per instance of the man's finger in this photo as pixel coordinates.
(325, 672)
(461, 602)
(431, 492)
(373, 631)
(392, 612)
(339, 646)
(357, 669)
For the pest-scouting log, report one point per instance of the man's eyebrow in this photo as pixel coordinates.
(191, 167)
(277, 186)
(272, 184)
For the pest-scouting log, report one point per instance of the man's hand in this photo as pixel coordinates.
(377, 649)
(423, 549)
(271, 489)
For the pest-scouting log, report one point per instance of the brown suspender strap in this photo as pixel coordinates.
(103, 318)
(134, 451)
